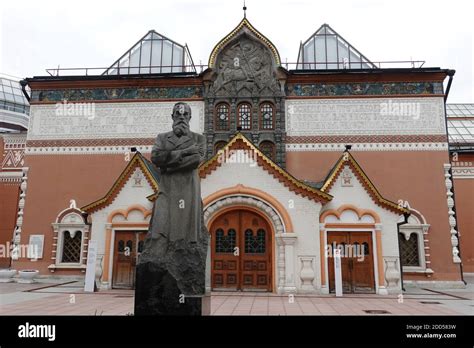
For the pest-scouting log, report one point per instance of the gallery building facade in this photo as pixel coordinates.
(334, 152)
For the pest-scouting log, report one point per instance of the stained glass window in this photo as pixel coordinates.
(129, 245)
(72, 247)
(225, 243)
(245, 116)
(222, 117)
(365, 247)
(266, 114)
(255, 244)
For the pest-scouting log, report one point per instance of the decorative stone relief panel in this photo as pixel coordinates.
(374, 116)
(110, 120)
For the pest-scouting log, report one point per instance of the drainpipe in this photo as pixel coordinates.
(23, 84)
(448, 87)
(405, 216)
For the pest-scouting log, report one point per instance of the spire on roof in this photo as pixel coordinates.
(245, 10)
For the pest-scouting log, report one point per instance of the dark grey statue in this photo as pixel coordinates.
(170, 276)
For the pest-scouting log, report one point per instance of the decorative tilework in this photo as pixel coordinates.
(349, 89)
(58, 95)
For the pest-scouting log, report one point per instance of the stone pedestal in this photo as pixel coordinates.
(158, 293)
(170, 278)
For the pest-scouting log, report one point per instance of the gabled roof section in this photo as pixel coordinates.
(153, 54)
(240, 142)
(326, 49)
(242, 27)
(137, 161)
(348, 159)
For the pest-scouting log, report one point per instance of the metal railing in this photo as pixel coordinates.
(390, 64)
(198, 68)
(127, 70)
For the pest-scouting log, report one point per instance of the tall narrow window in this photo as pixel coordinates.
(266, 116)
(72, 247)
(409, 253)
(222, 117)
(268, 149)
(245, 116)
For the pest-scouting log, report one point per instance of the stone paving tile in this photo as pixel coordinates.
(16, 300)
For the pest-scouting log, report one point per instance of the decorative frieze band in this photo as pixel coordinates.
(364, 88)
(368, 147)
(463, 172)
(86, 150)
(90, 142)
(132, 93)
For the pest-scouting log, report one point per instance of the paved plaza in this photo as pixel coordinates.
(68, 298)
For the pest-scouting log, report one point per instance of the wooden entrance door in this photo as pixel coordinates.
(357, 261)
(127, 247)
(241, 252)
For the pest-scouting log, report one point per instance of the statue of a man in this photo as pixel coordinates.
(178, 209)
(173, 261)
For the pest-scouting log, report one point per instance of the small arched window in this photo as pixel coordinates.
(266, 116)
(268, 149)
(72, 244)
(222, 117)
(244, 116)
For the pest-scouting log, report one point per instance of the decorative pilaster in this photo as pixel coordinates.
(108, 240)
(452, 219)
(382, 290)
(323, 254)
(425, 229)
(289, 240)
(19, 219)
(281, 265)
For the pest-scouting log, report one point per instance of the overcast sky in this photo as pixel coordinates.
(35, 35)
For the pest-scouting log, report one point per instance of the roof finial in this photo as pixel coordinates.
(245, 10)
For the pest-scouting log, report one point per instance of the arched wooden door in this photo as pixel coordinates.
(241, 252)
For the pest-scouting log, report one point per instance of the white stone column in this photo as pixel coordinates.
(289, 240)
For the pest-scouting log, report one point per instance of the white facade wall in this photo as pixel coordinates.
(128, 196)
(358, 196)
(304, 212)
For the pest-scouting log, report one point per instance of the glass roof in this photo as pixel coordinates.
(11, 96)
(460, 123)
(153, 54)
(460, 110)
(326, 49)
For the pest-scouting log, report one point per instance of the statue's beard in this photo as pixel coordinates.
(180, 128)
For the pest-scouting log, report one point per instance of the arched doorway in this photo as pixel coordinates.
(241, 251)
